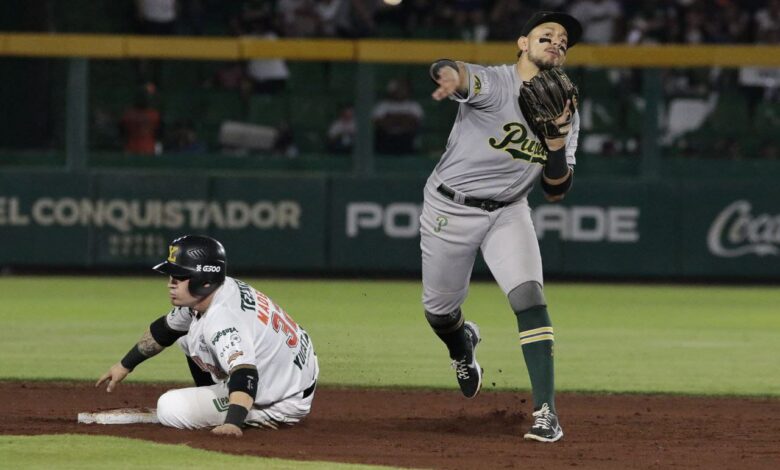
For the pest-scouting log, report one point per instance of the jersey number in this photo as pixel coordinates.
(287, 326)
(280, 320)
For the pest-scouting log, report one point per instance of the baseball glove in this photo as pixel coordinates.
(543, 100)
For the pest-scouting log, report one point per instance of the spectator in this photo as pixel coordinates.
(284, 144)
(299, 18)
(600, 20)
(355, 18)
(327, 11)
(266, 75)
(649, 24)
(229, 76)
(184, 139)
(397, 120)
(762, 84)
(341, 133)
(504, 18)
(735, 22)
(157, 17)
(469, 18)
(140, 125)
(768, 23)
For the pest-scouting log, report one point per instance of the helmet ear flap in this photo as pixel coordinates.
(202, 287)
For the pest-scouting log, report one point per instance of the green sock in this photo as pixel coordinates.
(536, 339)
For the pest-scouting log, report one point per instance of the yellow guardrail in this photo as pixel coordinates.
(370, 50)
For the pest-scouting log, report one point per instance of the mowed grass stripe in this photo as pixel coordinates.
(610, 338)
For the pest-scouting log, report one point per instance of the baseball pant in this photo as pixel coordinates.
(202, 407)
(451, 235)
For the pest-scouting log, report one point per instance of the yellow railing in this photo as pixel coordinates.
(370, 50)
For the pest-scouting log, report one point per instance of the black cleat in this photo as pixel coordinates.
(546, 427)
(467, 369)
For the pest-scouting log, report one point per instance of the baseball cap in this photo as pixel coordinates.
(570, 23)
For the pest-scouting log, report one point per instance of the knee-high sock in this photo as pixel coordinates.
(449, 328)
(536, 339)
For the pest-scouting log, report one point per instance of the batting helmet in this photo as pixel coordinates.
(200, 259)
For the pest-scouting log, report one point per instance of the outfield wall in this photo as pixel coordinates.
(605, 227)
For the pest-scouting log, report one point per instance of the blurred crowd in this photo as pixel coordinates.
(694, 98)
(604, 21)
(703, 110)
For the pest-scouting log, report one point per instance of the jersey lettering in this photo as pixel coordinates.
(303, 353)
(529, 150)
(247, 299)
(263, 308)
(280, 320)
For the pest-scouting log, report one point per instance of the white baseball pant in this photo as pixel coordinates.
(202, 407)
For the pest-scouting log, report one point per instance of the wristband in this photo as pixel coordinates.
(133, 358)
(558, 189)
(440, 64)
(236, 415)
(556, 166)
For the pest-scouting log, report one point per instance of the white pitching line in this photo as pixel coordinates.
(120, 416)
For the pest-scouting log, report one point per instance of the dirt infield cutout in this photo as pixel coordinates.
(441, 429)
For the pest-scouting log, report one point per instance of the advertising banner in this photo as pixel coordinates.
(609, 227)
(604, 227)
(375, 223)
(45, 219)
(730, 230)
(128, 220)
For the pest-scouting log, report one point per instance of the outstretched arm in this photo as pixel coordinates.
(451, 77)
(143, 350)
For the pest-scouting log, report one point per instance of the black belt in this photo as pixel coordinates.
(307, 393)
(484, 204)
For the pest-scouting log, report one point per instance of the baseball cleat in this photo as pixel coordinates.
(467, 370)
(546, 427)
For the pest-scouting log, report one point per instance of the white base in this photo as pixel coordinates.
(120, 416)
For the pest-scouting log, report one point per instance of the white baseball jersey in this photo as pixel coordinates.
(244, 326)
(491, 152)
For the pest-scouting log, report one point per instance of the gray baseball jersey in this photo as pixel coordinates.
(490, 154)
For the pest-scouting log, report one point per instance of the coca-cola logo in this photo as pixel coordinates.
(737, 232)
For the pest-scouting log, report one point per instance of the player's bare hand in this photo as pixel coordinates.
(115, 374)
(564, 123)
(449, 80)
(227, 429)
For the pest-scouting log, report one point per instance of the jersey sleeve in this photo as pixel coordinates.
(484, 90)
(179, 318)
(231, 342)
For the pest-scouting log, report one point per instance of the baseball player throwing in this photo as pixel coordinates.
(252, 363)
(516, 125)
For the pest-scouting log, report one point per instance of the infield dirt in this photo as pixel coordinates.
(442, 430)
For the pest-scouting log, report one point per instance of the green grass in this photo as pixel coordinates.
(71, 451)
(610, 338)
